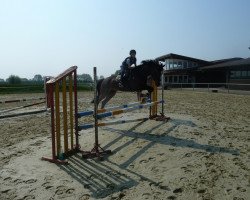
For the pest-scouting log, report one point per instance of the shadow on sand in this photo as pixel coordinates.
(103, 178)
(163, 139)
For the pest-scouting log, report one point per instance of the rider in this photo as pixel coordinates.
(126, 65)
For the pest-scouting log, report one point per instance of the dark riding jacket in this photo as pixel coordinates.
(127, 63)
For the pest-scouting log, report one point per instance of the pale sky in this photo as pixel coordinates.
(48, 36)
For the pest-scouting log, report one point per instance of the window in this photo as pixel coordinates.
(170, 79)
(166, 78)
(175, 65)
(233, 74)
(180, 65)
(180, 79)
(190, 64)
(244, 73)
(166, 64)
(185, 64)
(170, 65)
(185, 79)
(175, 79)
(237, 73)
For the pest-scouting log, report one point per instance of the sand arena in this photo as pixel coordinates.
(201, 153)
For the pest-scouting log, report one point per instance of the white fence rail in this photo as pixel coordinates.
(209, 86)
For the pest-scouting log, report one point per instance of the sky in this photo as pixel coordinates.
(48, 36)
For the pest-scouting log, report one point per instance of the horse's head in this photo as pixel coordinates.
(153, 68)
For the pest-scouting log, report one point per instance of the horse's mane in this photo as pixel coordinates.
(144, 62)
(149, 62)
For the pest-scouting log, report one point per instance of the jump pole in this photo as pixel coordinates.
(21, 100)
(125, 110)
(87, 126)
(91, 112)
(118, 112)
(97, 150)
(20, 107)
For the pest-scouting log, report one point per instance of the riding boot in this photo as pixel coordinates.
(124, 80)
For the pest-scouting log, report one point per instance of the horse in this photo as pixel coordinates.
(136, 82)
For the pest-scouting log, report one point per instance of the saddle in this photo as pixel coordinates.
(124, 81)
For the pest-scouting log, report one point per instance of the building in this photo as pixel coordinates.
(183, 69)
(234, 71)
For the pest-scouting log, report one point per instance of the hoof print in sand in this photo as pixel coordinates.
(47, 185)
(178, 190)
(62, 190)
(28, 197)
(146, 195)
(30, 181)
(5, 191)
(201, 191)
(147, 160)
(84, 197)
(171, 197)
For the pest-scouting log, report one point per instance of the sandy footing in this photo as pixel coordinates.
(201, 153)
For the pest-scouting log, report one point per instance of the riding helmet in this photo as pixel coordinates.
(132, 52)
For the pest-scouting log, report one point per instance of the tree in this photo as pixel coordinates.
(13, 79)
(38, 78)
(24, 80)
(101, 77)
(85, 78)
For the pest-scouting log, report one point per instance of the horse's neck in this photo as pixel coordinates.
(140, 75)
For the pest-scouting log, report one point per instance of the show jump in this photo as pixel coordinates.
(63, 104)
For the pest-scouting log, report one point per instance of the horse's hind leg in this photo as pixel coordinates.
(108, 97)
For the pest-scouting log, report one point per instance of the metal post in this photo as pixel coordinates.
(227, 79)
(97, 151)
(162, 93)
(95, 109)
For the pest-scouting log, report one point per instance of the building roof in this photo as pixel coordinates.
(205, 65)
(176, 56)
(232, 63)
(224, 60)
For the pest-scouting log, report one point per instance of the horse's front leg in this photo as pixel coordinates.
(139, 95)
(150, 90)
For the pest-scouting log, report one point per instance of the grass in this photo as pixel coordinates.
(32, 88)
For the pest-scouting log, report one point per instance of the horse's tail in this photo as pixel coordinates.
(98, 88)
